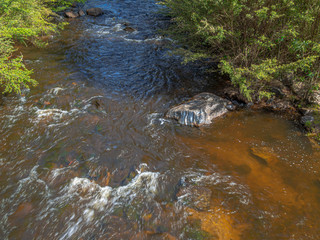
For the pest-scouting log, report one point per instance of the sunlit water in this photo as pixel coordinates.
(88, 153)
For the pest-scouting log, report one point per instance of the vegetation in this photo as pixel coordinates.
(24, 22)
(255, 42)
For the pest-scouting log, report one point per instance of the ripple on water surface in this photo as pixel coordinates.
(88, 153)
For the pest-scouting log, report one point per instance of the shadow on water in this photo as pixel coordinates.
(88, 154)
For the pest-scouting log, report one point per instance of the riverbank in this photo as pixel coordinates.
(89, 153)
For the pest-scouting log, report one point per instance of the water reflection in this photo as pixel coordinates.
(88, 154)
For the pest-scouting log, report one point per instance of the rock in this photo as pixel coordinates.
(315, 97)
(129, 29)
(311, 121)
(94, 12)
(82, 13)
(200, 110)
(233, 94)
(231, 107)
(307, 119)
(278, 92)
(71, 14)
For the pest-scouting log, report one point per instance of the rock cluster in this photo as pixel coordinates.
(95, 12)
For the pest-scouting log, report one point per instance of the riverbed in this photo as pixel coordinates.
(88, 153)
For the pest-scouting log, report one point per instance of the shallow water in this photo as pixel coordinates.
(88, 153)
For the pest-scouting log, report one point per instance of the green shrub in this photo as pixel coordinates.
(13, 73)
(255, 41)
(23, 21)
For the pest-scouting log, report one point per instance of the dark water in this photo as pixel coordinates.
(88, 154)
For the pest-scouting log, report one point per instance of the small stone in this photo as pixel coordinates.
(231, 107)
(82, 13)
(71, 14)
(94, 12)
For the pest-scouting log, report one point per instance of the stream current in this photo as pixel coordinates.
(88, 154)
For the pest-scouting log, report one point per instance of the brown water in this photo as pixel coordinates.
(88, 154)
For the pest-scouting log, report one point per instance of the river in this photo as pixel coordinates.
(88, 154)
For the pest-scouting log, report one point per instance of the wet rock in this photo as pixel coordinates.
(231, 107)
(129, 29)
(195, 197)
(94, 12)
(70, 14)
(121, 177)
(82, 13)
(233, 94)
(200, 110)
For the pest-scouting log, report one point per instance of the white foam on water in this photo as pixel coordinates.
(133, 40)
(157, 119)
(118, 27)
(56, 90)
(99, 198)
(71, 230)
(93, 199)
(144, 183)
(54, 115)
(55, 112)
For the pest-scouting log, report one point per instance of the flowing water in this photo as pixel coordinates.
(88, 153)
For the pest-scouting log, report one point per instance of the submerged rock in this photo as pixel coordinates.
(195, 197)
(264, 155)
(218, 223)
(94, 12)
(200, 110)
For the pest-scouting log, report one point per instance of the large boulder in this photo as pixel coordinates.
(94, 12)
(200, 110)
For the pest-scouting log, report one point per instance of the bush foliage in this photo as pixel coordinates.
(255, 41)
(23, 21)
